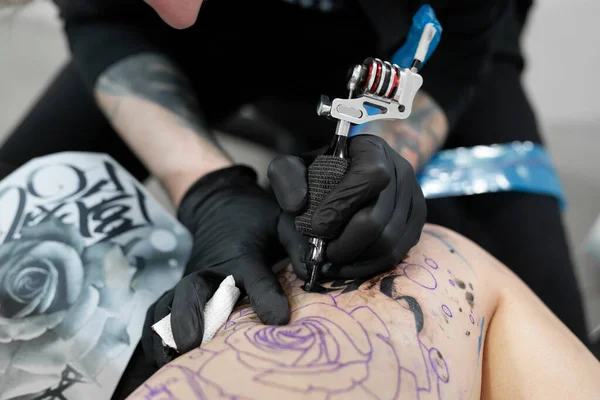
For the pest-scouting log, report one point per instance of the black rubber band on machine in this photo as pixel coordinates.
(387, 76)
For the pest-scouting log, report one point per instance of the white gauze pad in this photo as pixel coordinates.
(216, 312)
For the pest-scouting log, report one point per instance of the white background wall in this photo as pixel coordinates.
(563, 80)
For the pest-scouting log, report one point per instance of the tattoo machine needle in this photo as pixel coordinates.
(380, 86)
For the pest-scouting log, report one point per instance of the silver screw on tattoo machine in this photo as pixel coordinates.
(382, 86)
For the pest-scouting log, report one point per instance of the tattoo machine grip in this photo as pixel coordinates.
(324, 174)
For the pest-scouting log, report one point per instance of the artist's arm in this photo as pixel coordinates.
(144, 94)
(151, 104)
(231, 218)
(418, 137)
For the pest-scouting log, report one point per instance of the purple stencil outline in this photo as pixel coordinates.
(301, 334)
(427, 260)
(291, 331)
(435, 367)
(447, 310)
(435, 284)
(451, 248)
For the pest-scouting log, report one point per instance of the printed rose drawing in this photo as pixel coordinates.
(84, 251)
(61, 305)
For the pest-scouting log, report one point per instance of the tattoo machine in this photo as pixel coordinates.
(373, 85)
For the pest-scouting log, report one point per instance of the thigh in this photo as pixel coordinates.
(66, 118)
(415, 331)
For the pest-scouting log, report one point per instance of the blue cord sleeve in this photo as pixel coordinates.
(510, 167)
(404, 56)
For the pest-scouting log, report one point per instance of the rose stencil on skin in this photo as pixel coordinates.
(341, 344)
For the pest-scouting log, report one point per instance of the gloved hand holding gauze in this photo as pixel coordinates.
(216, 312)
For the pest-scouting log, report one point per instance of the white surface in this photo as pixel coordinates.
(561, 42)
(31, 51)
(592, 242)
(163, 329)
(562, 45)
(89, 291)
(216, 312)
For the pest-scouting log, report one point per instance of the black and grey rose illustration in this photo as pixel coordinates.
(61, 304)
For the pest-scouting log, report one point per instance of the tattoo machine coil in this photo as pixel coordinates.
(373, 85)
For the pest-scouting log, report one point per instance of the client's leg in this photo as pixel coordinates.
(421, 331)
(414, 332)
(530, 354)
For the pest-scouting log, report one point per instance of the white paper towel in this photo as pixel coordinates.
(216, 312)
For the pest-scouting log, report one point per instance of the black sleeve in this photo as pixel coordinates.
(471, 31)
(97, 44)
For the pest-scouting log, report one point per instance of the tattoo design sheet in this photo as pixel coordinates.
(84, 251)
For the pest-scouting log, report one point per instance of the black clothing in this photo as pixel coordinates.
(102, 32)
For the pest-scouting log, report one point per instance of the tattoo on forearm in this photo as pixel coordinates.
(418, 137)
(338, 349)
(154, 78)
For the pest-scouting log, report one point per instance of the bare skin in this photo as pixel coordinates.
(449, 322)
(180, 14)
(418, 137)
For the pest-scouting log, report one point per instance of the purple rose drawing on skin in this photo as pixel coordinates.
(330, 347)
(329, 351)
(61, 304)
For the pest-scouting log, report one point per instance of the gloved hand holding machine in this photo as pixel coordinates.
(379, 86)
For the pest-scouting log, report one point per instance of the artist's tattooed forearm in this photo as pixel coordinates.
(418, 137)
(153, 78)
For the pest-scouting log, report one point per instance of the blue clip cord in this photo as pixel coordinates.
(405, 55)
(510, 167)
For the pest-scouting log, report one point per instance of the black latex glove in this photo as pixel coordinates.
(378, 210)
(234, 226)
